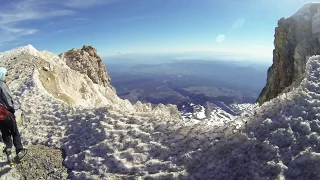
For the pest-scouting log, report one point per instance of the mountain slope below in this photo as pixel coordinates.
(48, 115)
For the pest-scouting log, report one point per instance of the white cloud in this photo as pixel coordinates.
(12, 15)
(9, 33)
(64, 30)
(86, 3)
(220, 38)
(31, 10)
(19, 31)
(80, 19)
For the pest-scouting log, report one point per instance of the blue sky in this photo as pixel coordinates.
(240, 28)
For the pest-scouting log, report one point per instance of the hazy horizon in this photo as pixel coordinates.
(159, 58)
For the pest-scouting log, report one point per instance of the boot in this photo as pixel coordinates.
(21, 154)
(10, 156)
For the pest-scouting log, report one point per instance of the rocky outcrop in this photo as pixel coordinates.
(42, 162)
(296, 39)
(87, 61)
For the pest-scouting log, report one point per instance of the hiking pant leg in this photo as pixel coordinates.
(15, 133)
(6, 134)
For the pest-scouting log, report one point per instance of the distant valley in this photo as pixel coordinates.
(189, 81)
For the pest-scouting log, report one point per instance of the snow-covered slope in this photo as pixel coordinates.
(214, 113)
(48, 115)
(279, 141)
(193, 111)
(287, 129)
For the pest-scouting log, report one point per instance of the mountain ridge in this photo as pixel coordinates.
(296, 39)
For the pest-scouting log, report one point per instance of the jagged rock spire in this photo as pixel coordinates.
(87, 61)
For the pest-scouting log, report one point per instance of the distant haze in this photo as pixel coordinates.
(173, 57)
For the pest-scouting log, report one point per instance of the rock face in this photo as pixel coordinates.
(87, 61)
(296, 39)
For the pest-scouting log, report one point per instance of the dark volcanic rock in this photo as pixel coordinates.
(296, 39)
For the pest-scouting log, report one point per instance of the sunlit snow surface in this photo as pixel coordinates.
(216, 115)
(279, 140)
